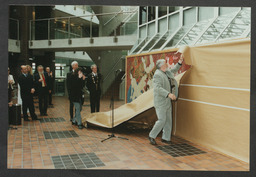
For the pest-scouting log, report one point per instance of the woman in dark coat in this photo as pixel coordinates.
(77, 82)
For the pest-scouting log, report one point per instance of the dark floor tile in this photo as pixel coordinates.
(59, 134)
(181, 149)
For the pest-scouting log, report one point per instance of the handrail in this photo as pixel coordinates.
(91, 15)
(113, 67)
(66, 32)
(123, 77)
(112, 17)
(130, 16)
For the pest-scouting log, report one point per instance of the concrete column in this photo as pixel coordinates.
(23, 14)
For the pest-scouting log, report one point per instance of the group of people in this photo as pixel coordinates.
(41, 84)
(76, 81)
(164, 83)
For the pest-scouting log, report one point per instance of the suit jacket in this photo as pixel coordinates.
(68, 83)
(26, 84)
(92, 86)
(42, 90)
(76, 86)
(51, 81)
(162, 87)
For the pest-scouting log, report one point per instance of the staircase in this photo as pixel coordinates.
(115, 85)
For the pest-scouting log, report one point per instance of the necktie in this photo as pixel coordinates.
(43, 80)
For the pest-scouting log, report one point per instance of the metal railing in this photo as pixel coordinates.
(228, 22)
(113, 67)
(70, 24)
(112, 17)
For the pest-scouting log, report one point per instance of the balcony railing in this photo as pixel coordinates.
(76, 27)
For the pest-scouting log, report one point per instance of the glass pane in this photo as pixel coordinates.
(143, 15)
(178, 36)
(205, 13)
(152, 42)
(215, 28)
(151, 13)
(13, 29)
(130, 26)
(189, 16)
(227, 10)
(151, 29)
(173, 9)
(75, 28)
(162, 25)
(162, 10)
(163, 39)
(174, 22)
(57, 73)
(136, 44)
(192, 35)
(63, 73)
(59, 28)
(137, 49)
(142, 32)
(238, 25)
(40, 30)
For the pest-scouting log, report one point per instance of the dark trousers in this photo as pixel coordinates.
(43, 102)
(71, 109)
(50, 98)
(95, 103)
(28, 103)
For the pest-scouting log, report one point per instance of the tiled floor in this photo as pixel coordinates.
(52, 142)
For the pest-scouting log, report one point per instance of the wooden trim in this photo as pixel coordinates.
(152, 53)
(126, 80)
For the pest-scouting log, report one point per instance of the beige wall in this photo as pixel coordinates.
(214, 105)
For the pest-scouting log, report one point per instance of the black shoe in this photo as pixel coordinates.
(74, 123)
(80, 126)
(45, 114)
(26, 119)
(152, 140)
(41, 114)
(165, 141)
(35, 118)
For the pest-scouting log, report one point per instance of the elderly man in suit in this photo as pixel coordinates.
(51, 81)
(165, 91)
(93, 85)
(27, 90)
(74, 66)
(42, 83)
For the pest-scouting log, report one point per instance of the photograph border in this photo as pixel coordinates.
(4, 11)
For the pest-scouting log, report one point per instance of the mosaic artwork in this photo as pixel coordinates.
(140, 71)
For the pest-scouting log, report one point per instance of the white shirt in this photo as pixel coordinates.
(10, 77)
